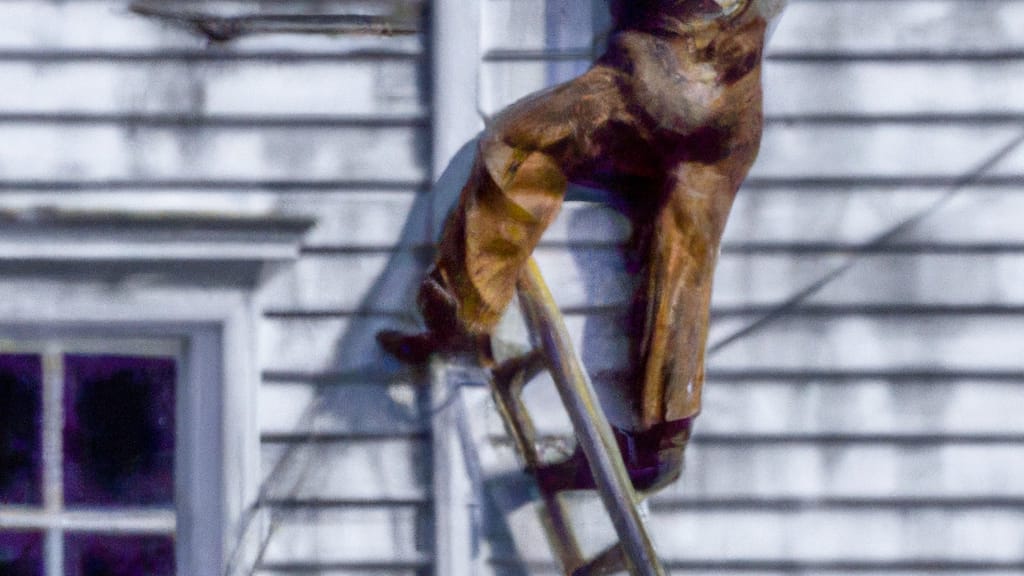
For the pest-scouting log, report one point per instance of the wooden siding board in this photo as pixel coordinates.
(373, 472)
(961, 407)
(320, 345)
(804, 91)
(512, 567)
(853, 470)
(591, 280)
(940, 89)
(348, 568)
(937, 342)
(383, 283)
(88, 153)
(908, 279)
(791, 410)
(857, 216)
(823, 536)
(911, 26)
(869, 151)
(849, 341)
(360, 220)
(331, 536)
(357, 408)
(225, 204)
(826, 26)
(314, 569)
(251, 90)
(833, 536)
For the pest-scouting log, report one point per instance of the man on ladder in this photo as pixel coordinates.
(669, 119)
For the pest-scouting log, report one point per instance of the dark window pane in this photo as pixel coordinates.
(21, 554)
(105, 555)
(21, 416)
(118, 430)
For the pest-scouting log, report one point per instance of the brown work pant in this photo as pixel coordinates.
(677, 159)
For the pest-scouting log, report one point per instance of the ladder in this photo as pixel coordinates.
(553, 351)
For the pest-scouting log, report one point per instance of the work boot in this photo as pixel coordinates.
(444, 333)
(653, 458)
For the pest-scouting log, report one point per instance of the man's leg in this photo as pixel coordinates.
(515, 190)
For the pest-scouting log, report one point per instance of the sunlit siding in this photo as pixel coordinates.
(107, 111)
(873, 427)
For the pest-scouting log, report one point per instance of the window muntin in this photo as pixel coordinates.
(104, 460)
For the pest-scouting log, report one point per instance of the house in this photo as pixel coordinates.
(198, 241)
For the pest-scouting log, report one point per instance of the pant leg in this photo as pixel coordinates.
(676, 297)
(515, 191)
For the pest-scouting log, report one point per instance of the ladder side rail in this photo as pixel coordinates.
(507, 385)
(593, 431)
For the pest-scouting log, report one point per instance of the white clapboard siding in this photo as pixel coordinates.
(872, 430)
(911, 27)
(831, 535)
(968, 89)
(545, 24)
(106, 111)
(250, 90)
(349, 408)
(303, 344)
(749, 274)
(810, 27)
(804, 151)
(347, 470)
(118, 152)
(344, 221)
(348, 537)
(887, 341)
(909, 406)
(874, 427)
(838, 217)
(917, 89)
(752, 471)
(962, 407)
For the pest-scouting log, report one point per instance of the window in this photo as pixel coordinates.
(115, 281)
(88, 457)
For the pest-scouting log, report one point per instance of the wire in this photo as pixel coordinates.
(786, 306)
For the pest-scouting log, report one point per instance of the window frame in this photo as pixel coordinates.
(53, 516)
(218, 527)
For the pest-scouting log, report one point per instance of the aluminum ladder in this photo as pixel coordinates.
(553, 351)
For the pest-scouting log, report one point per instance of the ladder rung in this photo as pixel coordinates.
(612, 560)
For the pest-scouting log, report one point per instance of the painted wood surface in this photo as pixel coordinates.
(873, 430)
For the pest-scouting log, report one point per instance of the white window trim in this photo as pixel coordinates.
(186, 276)
(217, 473)
(53, 517)
(457, 59)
